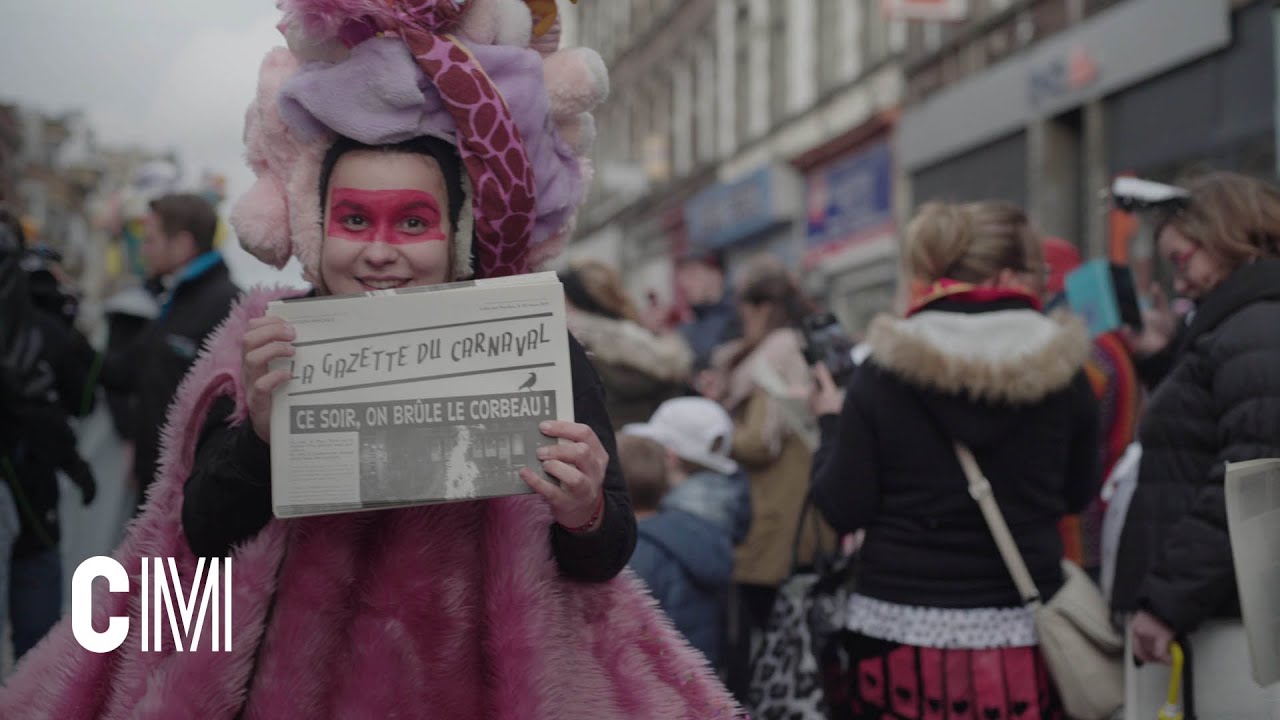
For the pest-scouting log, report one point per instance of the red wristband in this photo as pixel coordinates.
(590, 524)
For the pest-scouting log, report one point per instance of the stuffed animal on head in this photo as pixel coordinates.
(486, 75)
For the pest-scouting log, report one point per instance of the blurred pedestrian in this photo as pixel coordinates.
(639, 369)
(936, 620)
(704, 480)
(700, 281)
(1115, 384)
(685, 559)
(57, 364)
(1219, 403)
(768, 442)
(196, 294)
(35, 598)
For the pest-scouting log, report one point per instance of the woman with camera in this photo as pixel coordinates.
(769, 442)
(936, 621)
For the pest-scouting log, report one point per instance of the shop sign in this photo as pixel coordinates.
(1062, 75)
(726, 213)
(849, 201)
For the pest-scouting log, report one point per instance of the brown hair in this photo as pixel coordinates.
(644, 465)
(1233, 217)
(766, 280)
(190, 213)
(972, 242)
(603, 286)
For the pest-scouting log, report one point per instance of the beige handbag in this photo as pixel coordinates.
(1084, 653)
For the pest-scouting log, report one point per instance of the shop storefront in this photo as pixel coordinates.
(758, 213)
(1135, 88)
(850, 257)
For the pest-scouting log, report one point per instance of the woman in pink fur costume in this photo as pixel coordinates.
(397, 143)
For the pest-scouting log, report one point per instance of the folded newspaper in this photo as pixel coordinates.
(422, 395)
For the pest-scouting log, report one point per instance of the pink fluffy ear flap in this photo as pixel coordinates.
(260, 218)
(577, 81)
(578, 132)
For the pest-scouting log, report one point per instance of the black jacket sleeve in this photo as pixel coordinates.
(845, 480)
(1084, 459)
(227, 499)
(1153, 368)
(601, 554)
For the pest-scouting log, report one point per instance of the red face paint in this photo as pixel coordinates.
(395, 217)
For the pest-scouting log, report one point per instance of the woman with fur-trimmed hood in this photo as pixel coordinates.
(396, 143)
(640, 370)
(936, 620)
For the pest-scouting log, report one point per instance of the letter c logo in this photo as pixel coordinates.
(82, 613)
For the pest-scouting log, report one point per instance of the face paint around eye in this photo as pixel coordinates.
(395, 217)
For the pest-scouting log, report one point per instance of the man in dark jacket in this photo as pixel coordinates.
(197, 294)
(715, 321)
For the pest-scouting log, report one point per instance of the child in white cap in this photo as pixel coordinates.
(692, 508)
(703, 480)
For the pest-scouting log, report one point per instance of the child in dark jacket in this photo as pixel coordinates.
(692, 507)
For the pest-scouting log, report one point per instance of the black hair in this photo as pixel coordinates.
(442, 151)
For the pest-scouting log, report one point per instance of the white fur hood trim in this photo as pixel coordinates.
(622, 342)
(1006, 356)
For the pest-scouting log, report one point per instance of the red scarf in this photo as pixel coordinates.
(924, 295)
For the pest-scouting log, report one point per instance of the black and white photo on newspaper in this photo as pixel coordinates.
(426, 395)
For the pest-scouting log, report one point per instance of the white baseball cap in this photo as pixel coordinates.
(695, 429)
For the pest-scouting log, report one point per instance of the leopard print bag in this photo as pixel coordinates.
(801, 650)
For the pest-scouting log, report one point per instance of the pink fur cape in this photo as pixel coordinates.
(455, 611)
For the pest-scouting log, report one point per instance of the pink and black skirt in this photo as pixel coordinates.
(883, 680)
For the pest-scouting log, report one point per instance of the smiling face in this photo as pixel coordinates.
(386, 223)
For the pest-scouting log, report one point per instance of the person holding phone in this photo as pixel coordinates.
(1219, 402)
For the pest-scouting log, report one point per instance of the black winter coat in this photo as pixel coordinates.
(1220, 403)
(29, 406)
(33, 421)
(156, 362)
(1009, 385)
(71, 358)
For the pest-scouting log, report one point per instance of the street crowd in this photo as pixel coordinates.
(740, 464)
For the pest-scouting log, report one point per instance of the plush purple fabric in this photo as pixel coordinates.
(379, 95)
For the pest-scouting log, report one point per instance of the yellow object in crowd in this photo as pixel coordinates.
(1172, 709)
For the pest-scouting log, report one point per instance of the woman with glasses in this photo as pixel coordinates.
(1218, 403)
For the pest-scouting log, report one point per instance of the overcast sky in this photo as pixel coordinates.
(161, 74)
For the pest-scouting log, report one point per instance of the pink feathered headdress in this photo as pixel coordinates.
(383, 71)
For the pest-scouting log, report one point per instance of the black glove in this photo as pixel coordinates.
(82, 475)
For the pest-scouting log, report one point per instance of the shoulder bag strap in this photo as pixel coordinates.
(980, 490)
